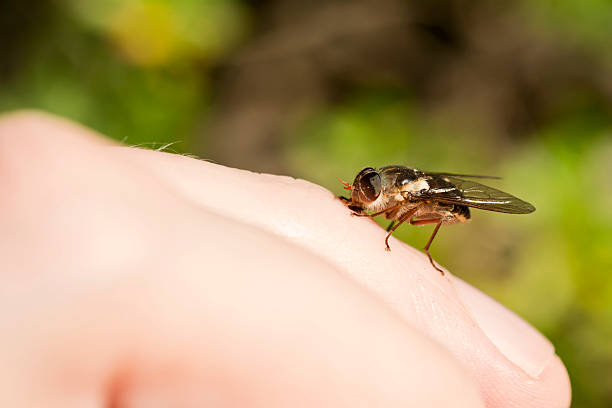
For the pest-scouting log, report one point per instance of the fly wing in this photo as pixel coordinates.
(463, 175)
(473, 194)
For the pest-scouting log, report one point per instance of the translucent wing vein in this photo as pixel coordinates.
(473, 194)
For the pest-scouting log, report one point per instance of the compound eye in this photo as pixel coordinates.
(367, 185)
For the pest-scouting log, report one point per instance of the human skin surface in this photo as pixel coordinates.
(135, 278)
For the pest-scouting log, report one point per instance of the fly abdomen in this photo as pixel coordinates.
(461, 212)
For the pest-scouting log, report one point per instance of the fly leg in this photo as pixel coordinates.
(362, 214)
(400, 221)
(392, 215)
(438, 223)
(355, 209)
(345, 200)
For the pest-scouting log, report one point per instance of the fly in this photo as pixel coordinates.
(404, 194)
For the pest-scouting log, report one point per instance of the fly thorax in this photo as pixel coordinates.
(414, 188)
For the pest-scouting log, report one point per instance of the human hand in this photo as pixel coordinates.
(134, 278)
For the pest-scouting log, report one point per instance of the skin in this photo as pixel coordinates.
(135, 278)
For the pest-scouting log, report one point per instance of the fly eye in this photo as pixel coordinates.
(367, 186)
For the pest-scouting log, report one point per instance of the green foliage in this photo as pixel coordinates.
(146, 72)
(582, 22)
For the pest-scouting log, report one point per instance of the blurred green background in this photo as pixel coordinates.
(321, 89)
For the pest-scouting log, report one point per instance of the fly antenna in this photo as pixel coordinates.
(347, 186)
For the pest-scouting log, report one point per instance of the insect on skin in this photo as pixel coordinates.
(404, 194)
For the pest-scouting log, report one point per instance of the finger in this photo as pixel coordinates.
(191, 312)
(513, 363)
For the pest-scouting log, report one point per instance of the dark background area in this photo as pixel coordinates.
(321, 89)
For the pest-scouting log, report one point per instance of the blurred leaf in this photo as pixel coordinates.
(123, 102)
(163, 32)
(589, 20)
